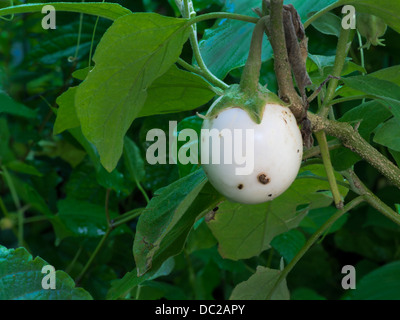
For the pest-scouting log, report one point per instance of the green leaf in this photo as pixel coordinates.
(368, 242)
(21, 279)
(384, 90)
(200, 237)
(122, 287)
(9, 106)
(244, 231)
(388, 134)
(317, 217)
(135, 50)
(305, 294)
(166, 220)
(66, 114)
(396, 156)
(60, 44)
(391, 74)
(320, 67)
(21, 167)
(29, 195)
(110, 180)
(175, 91)
(226, 45)
(258, 286)
(6, 154)
(133, 160)
(380, 284)
(369, 115)
(82, 184)
(288, 244)
(81, 218)
(329, 24)
(110, 11)
(194, 123)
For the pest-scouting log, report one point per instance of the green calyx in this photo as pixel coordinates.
(253, 103)
(249, 95)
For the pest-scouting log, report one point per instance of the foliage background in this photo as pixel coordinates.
(62, 191)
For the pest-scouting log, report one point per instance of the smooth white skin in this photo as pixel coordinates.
(278, 150)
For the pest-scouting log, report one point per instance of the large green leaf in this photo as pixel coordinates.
(175, 91)
(21, 279)
(258, 286)
(165, 223)
(381, 284)
(226, 45)
(110, 11)
(384, 90)
(244, 231)
(135, 50)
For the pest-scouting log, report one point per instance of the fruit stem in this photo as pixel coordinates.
(360, 188)
(251, 72)
(323, 144)
(343, 46)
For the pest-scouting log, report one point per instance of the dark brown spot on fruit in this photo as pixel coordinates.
(298, 150)
(285, 121)
(240, 186)
(270, 195)
(262, 177)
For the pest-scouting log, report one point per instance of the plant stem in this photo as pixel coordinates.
(223, 15)
(321, 13)
(106, 206)
(352, 140)
(345, 99)
(312, 240)
(314, 151)
(146, 197)
(75, 258)
(360, 188)
(93, 256)
(36, 219)
(276, 35)
(189, 67)
(344, 184)
(342, 50)
(17, 203)
(326, 158)
(207, 74)
(251, 73)
(102, 241)
(129, 216)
